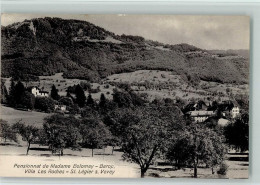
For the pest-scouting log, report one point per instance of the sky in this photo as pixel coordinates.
(206, 32)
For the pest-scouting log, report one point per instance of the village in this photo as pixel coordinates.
(196, 110)
(76, 106)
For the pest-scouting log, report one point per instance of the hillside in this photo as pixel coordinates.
(242, 52)
(79, 49)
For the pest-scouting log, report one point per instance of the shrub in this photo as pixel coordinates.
(97, 90)
(223, 169)
(66, 101)
(85, 85)
(106, 86)
(28, 100)
(45, 104)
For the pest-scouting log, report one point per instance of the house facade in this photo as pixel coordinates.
(37, 92)
(235, 111)
(230, 108)
(201, 115)
(61, 108)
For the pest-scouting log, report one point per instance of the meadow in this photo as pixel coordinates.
(170, 85)
(162, 84)
(237, 168)
(29, 117)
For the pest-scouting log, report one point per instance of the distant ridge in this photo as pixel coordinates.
(45, 46)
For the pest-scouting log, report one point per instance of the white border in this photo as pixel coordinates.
(192, 7)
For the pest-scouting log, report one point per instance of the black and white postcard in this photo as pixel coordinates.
(124, 96)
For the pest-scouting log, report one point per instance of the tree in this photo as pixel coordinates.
(19, 97)
(114, 142)
(11, 96)
(28, 132)
(70, 96)
(42, 137)
(243, 101)
(102, 101)
(180, 102)
(168, 101)
(106, 105)
(80, 96)
(6, 131)
(144, 133)
(237, 133)
(74, 109)
(45, 104)
(4, 93)
(157, 101)
(28, 100)
(66, 101)
(54, 93)
(62, 132)
(19, 93)
(214, 106)
(122, 98)
(198, 145)
(137, 100)
(89, 112)
(94, 134)
(90, 101)
(85, 85)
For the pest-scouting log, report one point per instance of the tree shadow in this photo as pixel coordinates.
(46, 155)
(244, 164)
(238, 159)
(10, 144)
(86, 156)
(165, 164)
(70, 155)
(102, 154)
(188, 176)
(163, 169)
(246, 154)
(155, 175)
(40, 149)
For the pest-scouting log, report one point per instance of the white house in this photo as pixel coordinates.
(201, 115)
(61, 108)
(37, 92)
(235, 111)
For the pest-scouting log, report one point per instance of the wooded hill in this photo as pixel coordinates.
(45, 46)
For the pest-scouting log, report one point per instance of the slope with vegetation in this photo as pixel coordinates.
(45, 46)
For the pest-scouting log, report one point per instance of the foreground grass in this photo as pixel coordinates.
(29, 117)
(41, 154)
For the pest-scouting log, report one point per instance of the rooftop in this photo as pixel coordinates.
(201, 113)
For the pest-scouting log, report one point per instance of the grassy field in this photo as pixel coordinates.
(11, 151)
(16, 152)
(145, 75)
(29, 117)
(62, 84)
(172, 85)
